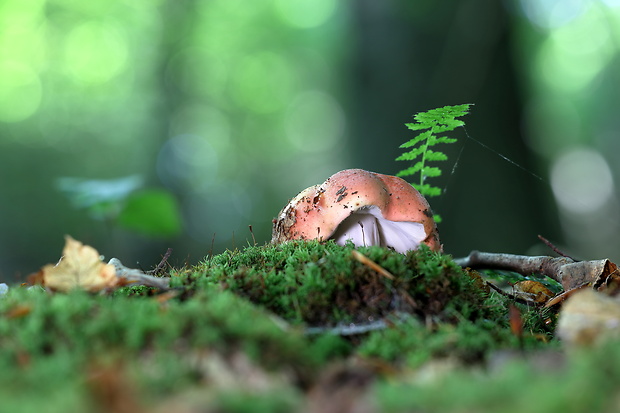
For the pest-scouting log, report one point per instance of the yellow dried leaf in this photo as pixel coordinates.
(80, 267)
(532, 291)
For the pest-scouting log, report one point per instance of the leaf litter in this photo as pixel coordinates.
(82, 267)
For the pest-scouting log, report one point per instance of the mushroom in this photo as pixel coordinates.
(365, 207)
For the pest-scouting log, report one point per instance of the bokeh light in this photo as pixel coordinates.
(570, 117)
(582, 181)
(95, 52)
(314, 122)
(550, 14)
(573, 55)
(20, 91)
(551, 123)
(305, 13)
(188, 163)
(203, 120)
(262, 82)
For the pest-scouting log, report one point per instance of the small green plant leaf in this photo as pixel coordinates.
(101, 198)
(411, 155)
(435, 121)
(421, 137)
(428, 189)
(411, 170)
(445, 139)
(431, 171)
(152, 212)
(432, 155)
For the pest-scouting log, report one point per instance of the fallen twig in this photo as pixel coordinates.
(348, 329)
(600, 274)
(133, 276)
(522, 264)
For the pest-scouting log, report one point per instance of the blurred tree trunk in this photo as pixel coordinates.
(411, 57)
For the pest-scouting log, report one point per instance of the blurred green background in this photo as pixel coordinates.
(139, 125)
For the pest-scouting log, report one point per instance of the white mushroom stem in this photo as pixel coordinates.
(366, 226)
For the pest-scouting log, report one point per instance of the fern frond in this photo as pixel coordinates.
(411, 155)
(410, 171)
(427, 189)
(432, 155)
(431, 171)
(434, 122)
(421, 137)
(445, 139)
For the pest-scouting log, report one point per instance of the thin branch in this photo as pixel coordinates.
(509, 295)
(571, 274)
(522, 264)
(348, 329)
(133, 276)
(554, 248)
(162, 263)
(252, 233)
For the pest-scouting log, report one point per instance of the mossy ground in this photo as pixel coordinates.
(268, 328)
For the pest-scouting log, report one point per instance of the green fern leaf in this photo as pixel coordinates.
(431, 171)
(445, 139)
(433, 122)
(417, 126)
(427, 189)
(432, 155)
(421, 137)
(410, 171)
(411, 155)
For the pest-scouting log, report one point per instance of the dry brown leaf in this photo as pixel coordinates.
(479, 282)
(516, 321)
(18, 311)
(576, 274)
(79, 268)
(34, 278)
(532, 291)
(609, 280)
(111, 389)
(560, 298)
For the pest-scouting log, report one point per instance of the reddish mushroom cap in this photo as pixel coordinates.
(321, 212)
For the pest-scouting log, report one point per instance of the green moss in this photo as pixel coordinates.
(47, 384)
(258, 302)
(81, 327)
(323, 284)
(248, 402)
(410, 344)
(535, 382)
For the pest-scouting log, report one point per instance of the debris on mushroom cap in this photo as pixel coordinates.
(365, 207)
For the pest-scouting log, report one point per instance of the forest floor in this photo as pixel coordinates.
(312, 327)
